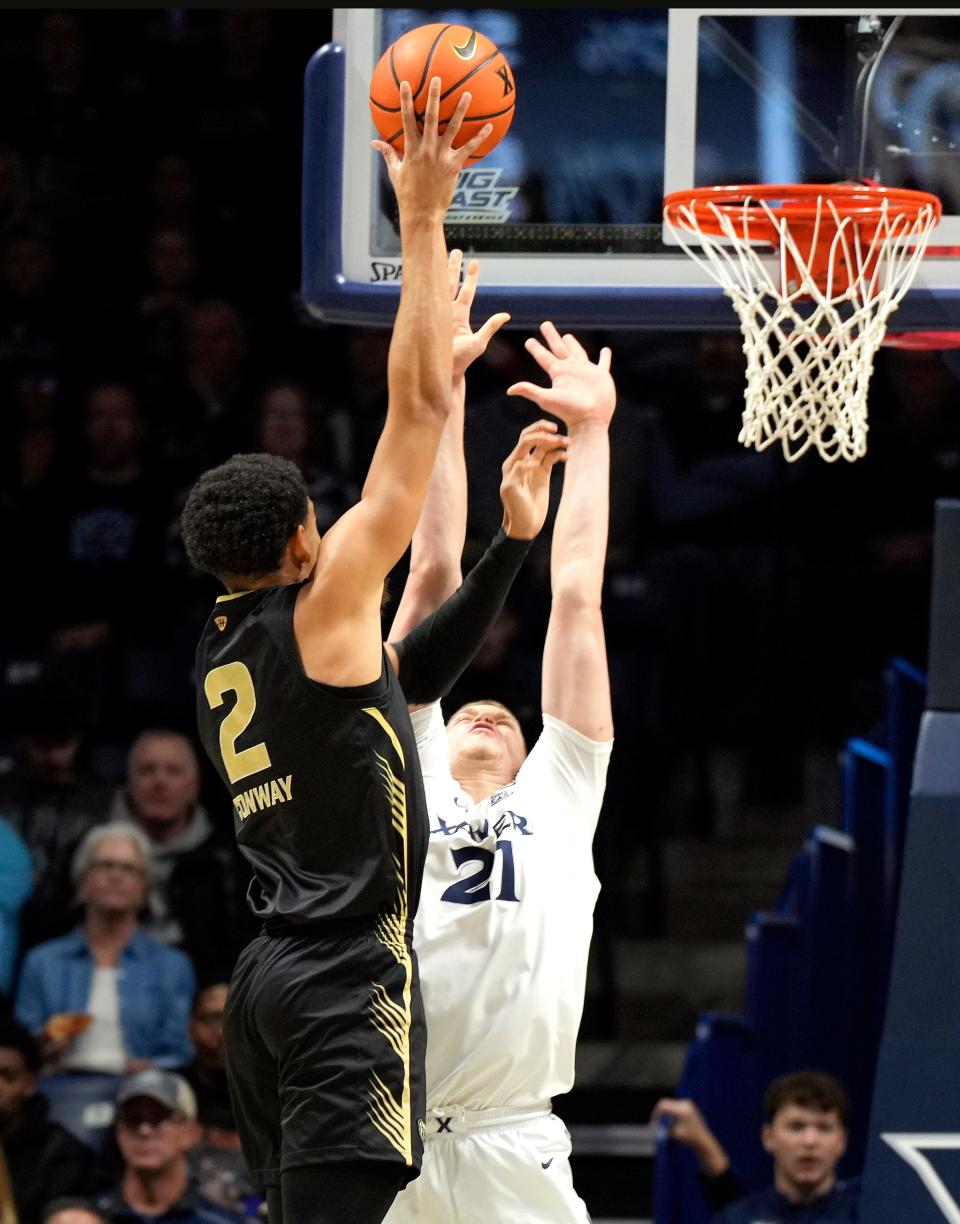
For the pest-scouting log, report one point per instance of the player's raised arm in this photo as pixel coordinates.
(438, 541)
(361, 548)
(576, 682)
(433, 655)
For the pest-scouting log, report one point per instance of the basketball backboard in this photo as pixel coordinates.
(616, 108)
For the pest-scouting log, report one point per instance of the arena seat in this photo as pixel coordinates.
(774, 958)
(720, 1075)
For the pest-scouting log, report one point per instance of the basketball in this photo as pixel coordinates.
(463, 59)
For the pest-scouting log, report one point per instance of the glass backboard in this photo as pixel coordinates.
(616, 108)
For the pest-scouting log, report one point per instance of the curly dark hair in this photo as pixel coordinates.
(239, 516)
(808, 1089)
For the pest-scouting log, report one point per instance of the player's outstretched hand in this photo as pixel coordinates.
(425, 177)
(468, 345)
(581, 390)
(525, 487)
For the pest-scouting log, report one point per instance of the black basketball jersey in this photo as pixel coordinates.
(328, 799)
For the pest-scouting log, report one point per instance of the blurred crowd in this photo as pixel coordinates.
(149, 327)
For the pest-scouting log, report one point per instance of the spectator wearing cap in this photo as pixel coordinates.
(137, 991)
(156, 1124)
(72, 1211)
(43, 1159)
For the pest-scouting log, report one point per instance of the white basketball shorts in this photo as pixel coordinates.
(492, 1166)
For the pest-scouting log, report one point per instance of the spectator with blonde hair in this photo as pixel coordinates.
(106, 997)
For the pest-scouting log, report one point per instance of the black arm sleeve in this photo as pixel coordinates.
(435, 653)
(722, 1189)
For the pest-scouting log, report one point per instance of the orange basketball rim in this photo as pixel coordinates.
(823, 221)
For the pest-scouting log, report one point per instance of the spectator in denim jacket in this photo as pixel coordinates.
(137, 991)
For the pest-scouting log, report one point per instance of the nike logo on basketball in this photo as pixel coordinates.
(468, 50)
(547, 1165)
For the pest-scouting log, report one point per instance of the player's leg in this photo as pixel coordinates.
(342, 1017)
(340, 1192)
(252, 1077)
(427, 1198)
(274, 1204)
(518, 1173)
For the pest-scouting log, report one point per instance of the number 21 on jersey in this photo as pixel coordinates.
(475, 886)
(235, 678)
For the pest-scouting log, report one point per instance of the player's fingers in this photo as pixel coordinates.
(606, 356)
(530, 439)
(545, 444)
(528, 391)
(431, 116)
(549, 447)
(474, 143)
(452, 126)
(489, 329)
(557, 344)
(454, 264)
(546, 399)
(542, 356)
(556, 443)
(388, 152)
(523, 447)
(469, 286)
(554, 457)
(574, 347)
(411, 137)
(537, 426)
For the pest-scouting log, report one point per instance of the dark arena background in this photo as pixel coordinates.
(768, 623)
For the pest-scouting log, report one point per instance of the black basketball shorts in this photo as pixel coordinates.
(325, 1041)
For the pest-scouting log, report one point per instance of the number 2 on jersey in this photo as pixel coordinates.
(476, 887)
(236, 678)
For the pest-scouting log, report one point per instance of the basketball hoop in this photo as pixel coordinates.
(811, 328)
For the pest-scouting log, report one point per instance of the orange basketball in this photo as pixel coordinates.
(463, 59)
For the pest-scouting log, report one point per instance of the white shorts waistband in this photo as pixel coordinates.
(443, 1120)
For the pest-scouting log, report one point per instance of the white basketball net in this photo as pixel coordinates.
(809, 350)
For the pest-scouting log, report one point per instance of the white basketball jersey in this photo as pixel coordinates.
(505, 919)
